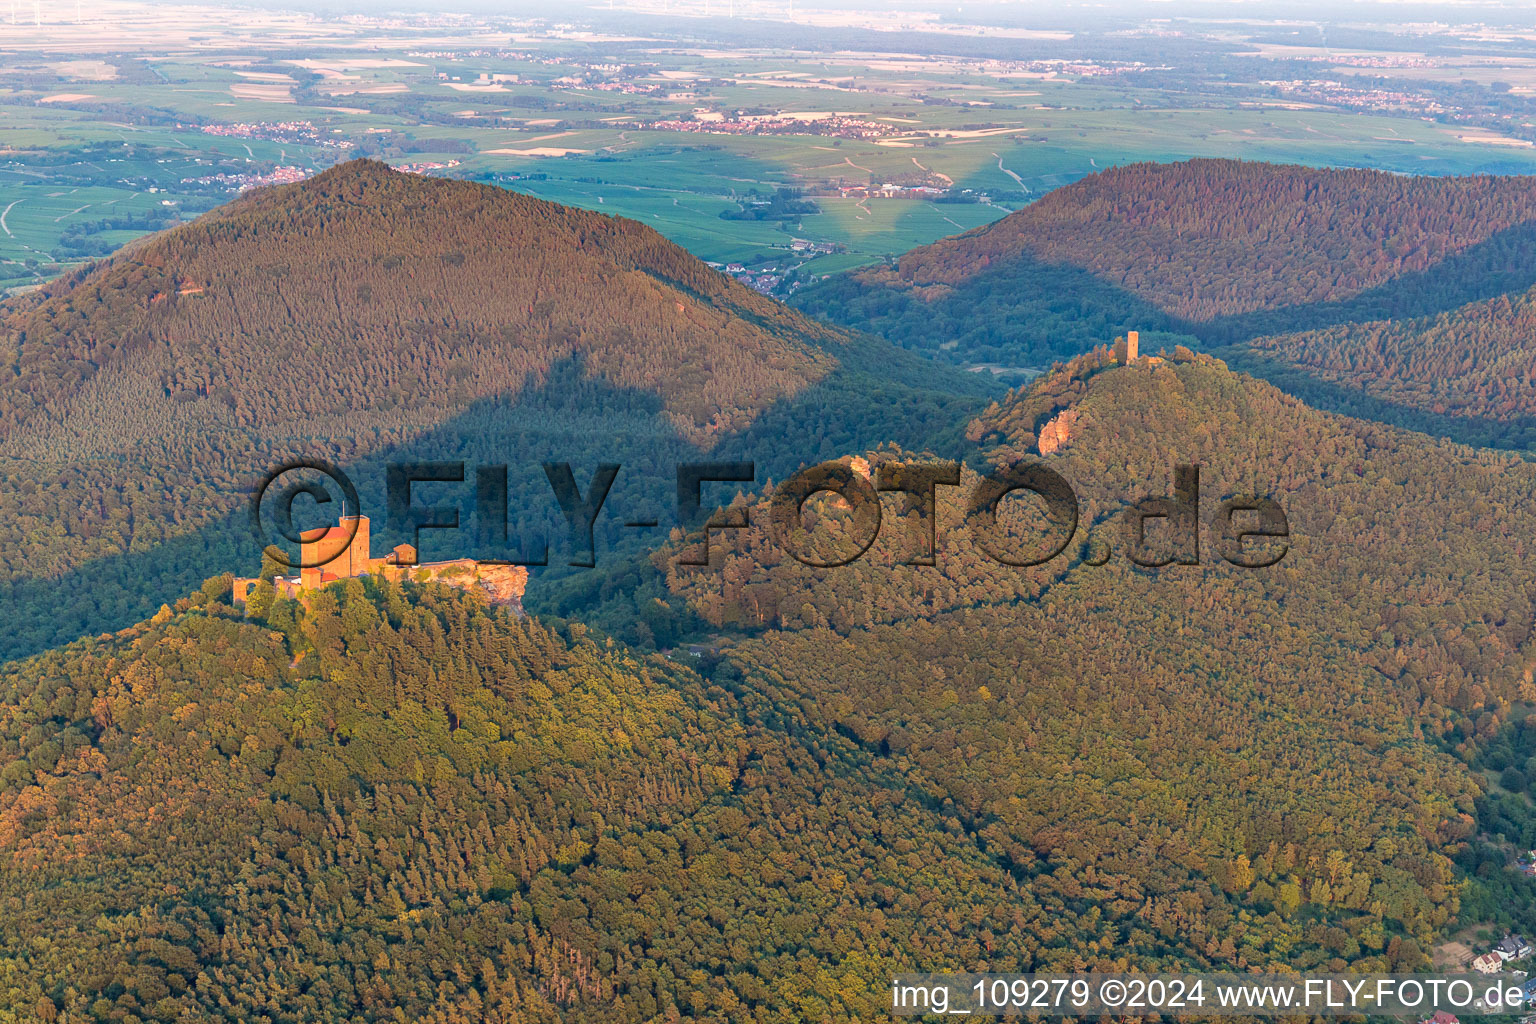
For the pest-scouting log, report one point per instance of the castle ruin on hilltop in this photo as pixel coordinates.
(1127, 351)
(333, 553)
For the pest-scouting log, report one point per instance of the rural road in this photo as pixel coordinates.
(1010, 174)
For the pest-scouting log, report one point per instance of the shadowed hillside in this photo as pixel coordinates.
(393, 797)
(365, 315)
(1470, 372)
(1219, 249)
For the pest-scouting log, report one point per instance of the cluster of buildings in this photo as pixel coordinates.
(1081, 68)
(890, 190)
(833, 126)
(1319, 90)
(524, 57)
(769, 279)
(519, 55)
(597, 77)
(760, 279)
(484, 79)
(455, 54)
(764, 283)
(630, 89)
(242, 182)
(423, 166)
(1510, 947)
(1369, 60)
(278, 131)
(805, 246)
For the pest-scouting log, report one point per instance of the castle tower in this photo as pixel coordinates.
(357, 551)
(334, 552)
(1132, 343)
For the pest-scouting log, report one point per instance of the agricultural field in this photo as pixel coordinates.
(870, 152)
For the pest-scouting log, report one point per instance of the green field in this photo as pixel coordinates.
(32, 217)
(870, 228)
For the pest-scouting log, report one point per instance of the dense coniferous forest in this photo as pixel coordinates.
(396, 804)
(753, 790)
(394, 797)
(1082, 708)
(1372, 510)
(435, 294)
(1469, 372)
(367, 316)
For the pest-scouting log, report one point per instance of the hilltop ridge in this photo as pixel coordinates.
(364, 315)
(1218, 249)
(374, 293)
(387, 775)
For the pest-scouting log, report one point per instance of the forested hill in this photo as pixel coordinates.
(1220, 249)
(1468, 373)
(1257, 728)
(388, 298)
(364, 315)
(397, 797)
(1390, 549)
(399, 805)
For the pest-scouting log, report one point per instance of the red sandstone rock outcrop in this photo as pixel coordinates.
(1055, 434)
(503, 585)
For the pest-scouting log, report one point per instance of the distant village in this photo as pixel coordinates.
(837, 126)
(775, 278)
(1374, 98)
(297, 132)
(287, 174)
(647, 78)
(254, 179)
(891, 190)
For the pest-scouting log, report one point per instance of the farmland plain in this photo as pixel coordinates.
(125, 117)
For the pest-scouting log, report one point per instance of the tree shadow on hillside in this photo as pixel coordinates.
(1024, 310)
(1517, 433)
(1021, 312)
(1503, 264)
(567, 417)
